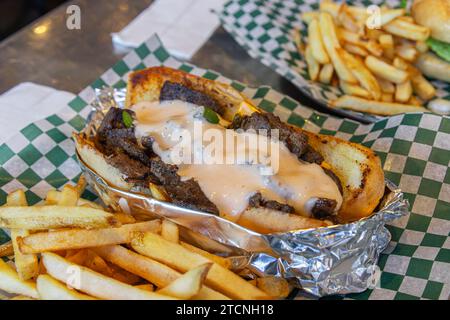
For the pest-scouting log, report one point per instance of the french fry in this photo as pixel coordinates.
(6, 249)
(125, 218)
(407, 30)
(422, 46)
(376, 107)
(387, 44)
(53, 197)
(169, 231)
(326, 73)
(149, 269)
(80, 238)
(387, 97)
(388, 15)
(354, 90)
(386, 86)
(217, 259)
(354, 49)
(93, 283)
(408, 53)
(20, 297)
(51, 289)
(401, 64)
(79, 258)
(374, 34)
(81, 185)
(54, 217)
(313, 65)
(275, 287)
(123, 275)
(174, 255)
(309, 16)
(189, 284)
(365, 78)
(403, 92)
(346, 19)
(96, 263)
(147, 286)
(27, 265)
(373, 47)
(11, 283)
(16, 199)
(385, 71)
(330, 40)
(359, 13)
(347, 36)
(415, 101)
(315, 42)
(422, 87)
(69, 196)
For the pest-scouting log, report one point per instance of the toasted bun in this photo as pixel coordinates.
(357, 167)
(434, 67)
(97, 162)
(434, 14)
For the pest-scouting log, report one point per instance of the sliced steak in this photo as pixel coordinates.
(137, 161)
(257, 201)
(186, 193)
(323, 208)
(295, 141)
(176, 91)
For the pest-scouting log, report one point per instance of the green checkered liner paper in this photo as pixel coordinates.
(414, 149)
(266, 29)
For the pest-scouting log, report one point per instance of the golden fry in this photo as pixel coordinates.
(330, 40)
(315, 42)
(174, 255)
(386, 71)
(80, 238)
(376, 107)
(54, 217)
(93, 283)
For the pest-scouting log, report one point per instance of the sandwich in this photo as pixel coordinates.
(280, 178)
(434, 14)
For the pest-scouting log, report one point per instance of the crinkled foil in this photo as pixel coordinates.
(339, 259)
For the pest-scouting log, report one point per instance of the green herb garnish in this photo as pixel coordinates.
(404, 4)
(442, 49)
(127, 119)
(211, 116)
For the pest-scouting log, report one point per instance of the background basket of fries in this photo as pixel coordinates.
(350, 56)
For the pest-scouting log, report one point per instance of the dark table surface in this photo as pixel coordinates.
(47, 52)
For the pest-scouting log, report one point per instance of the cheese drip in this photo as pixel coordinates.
(231, 172)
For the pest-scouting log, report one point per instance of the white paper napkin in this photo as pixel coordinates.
(183, 25)
(26, 103)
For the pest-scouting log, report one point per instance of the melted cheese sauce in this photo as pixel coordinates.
(231, 172)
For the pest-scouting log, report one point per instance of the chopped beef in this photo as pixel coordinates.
(323, 208)
(257, 200)
(186, 193)
(134, 171)
(141, 166)
(295, 141)
(312, 156)
(176, 91)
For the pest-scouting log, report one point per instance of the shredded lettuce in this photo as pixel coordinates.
(441, 48)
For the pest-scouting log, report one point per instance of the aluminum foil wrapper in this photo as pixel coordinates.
(339, 259)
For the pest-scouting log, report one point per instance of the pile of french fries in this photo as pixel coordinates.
(372, 66)
(72, 249)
